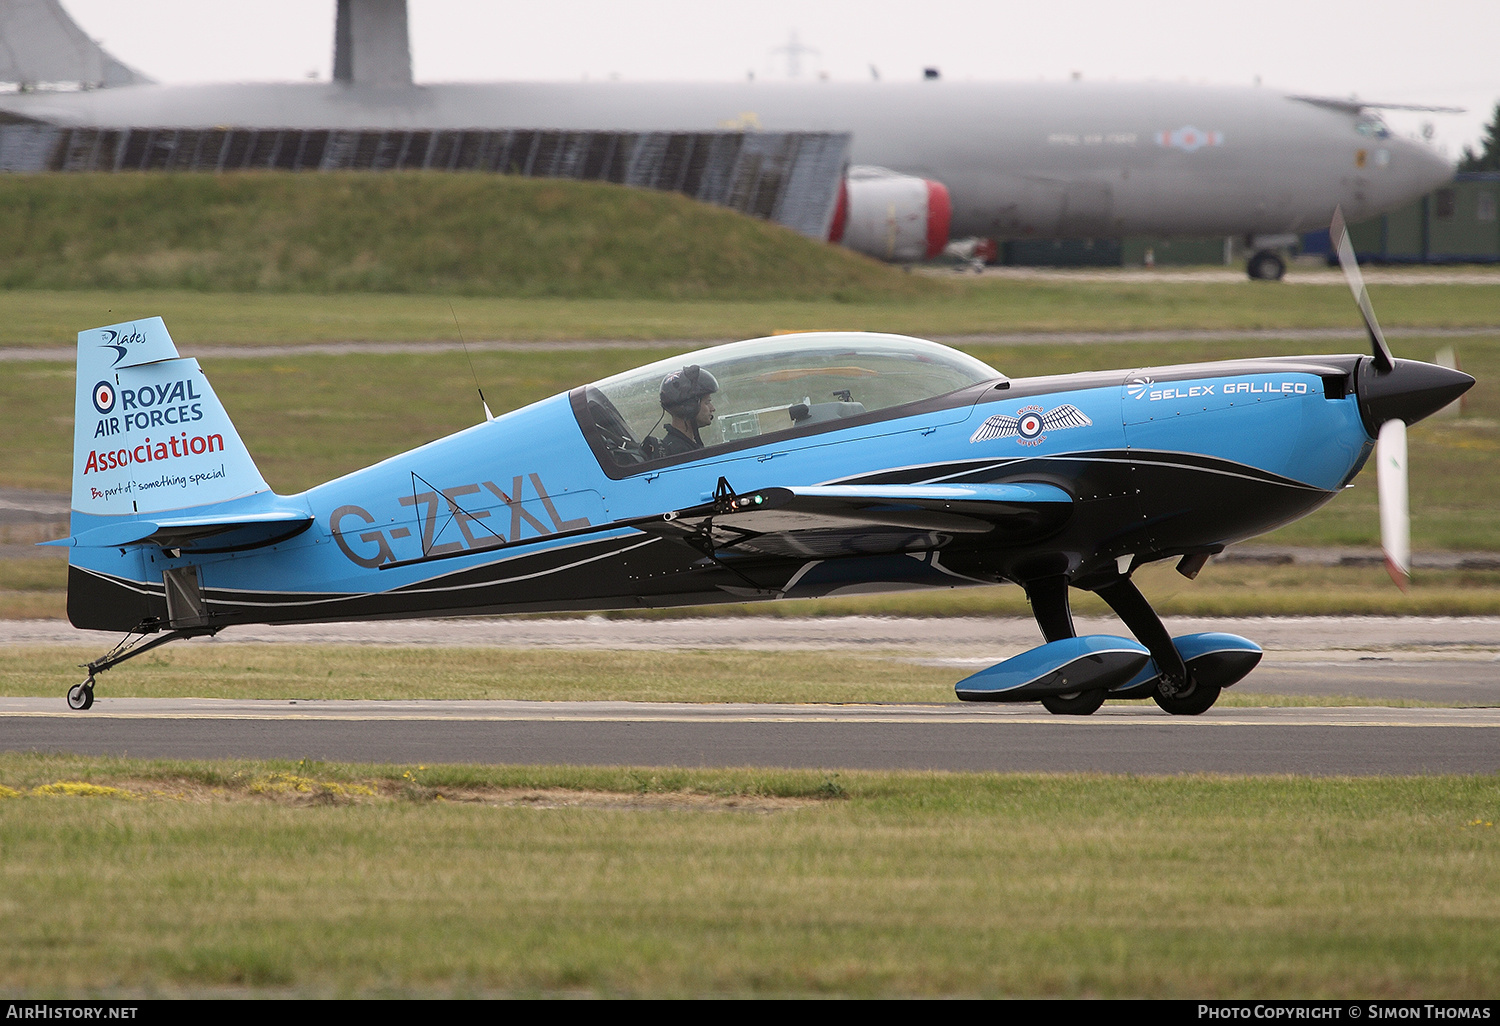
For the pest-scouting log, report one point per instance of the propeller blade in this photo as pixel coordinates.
(1338, 235)
(1395, 520)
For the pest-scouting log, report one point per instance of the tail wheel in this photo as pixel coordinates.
(1190, 701)
(1079, 703)
(81, 696)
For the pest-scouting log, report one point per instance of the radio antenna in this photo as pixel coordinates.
(488, 416)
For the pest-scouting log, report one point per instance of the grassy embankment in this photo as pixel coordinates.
(152, 878)
(289, 258)
(413, 234)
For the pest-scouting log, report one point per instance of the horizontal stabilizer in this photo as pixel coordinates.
(199, 533)
(1214, 659)
(1094, 662)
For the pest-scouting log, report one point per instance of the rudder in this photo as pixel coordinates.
(149, 434)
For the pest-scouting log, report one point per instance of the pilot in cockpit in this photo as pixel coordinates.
(685, 398)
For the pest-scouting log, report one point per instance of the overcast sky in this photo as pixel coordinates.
(1438, 52)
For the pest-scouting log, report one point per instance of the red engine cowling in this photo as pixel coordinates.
(891, 216)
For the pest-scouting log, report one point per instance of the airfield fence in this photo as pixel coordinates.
(791, 178)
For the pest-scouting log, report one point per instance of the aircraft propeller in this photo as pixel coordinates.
(1390, 444)
(1395, 519)
(1338, 234)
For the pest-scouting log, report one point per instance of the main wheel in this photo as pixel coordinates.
(1265, 266)
(1078, 703)
(1190, 701)
(81, 696)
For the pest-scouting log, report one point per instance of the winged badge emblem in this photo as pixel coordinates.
(1030, 424)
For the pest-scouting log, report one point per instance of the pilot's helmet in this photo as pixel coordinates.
(682, 391)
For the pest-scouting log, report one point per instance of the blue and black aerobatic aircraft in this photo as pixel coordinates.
(786, 467)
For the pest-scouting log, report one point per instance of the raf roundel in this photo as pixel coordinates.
(104, 397)
(1030, 424)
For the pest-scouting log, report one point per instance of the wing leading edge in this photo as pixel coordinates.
(827, 521)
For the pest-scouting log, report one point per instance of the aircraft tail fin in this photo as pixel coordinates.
(371, 43)
(40, 43)
(149, 434)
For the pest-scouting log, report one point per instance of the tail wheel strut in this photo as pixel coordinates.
(81, 696)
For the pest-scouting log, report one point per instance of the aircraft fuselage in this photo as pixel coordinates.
(1043, 160)
(506, 516)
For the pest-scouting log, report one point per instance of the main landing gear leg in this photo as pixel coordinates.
(1054, 615)
(81, 696)
(1049, 604)
(1176, 691)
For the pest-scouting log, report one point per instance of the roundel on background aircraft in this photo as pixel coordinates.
(891, 216)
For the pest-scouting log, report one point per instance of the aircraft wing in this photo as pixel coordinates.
(1350, 105)
(825, 521)
(822, 521)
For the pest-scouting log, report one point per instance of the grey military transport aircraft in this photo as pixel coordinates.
(933, 159)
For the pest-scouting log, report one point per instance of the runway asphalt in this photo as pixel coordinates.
(1454, 660)
(1127, 739)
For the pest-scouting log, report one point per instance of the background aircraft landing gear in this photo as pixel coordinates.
(1265, 265)
(81, 696)
(1079, 703)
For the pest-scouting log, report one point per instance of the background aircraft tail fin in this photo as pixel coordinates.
(371, 43)
(149, 434)
(40, 44)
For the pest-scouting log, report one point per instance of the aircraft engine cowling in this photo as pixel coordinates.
(890, 216)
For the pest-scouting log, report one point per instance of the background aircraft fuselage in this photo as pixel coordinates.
(1043, 160)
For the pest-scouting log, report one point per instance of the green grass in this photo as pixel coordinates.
(311, 418)
(412, 233)
(312, 880)
(305, 673)
(307, 419)
(281, 257)
(410, 672)
(906, 305)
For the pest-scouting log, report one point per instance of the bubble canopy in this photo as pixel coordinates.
(768, 388)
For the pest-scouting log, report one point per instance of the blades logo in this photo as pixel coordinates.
(116, 341)
(1029, 423)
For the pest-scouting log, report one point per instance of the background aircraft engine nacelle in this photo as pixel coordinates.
(891, 216)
